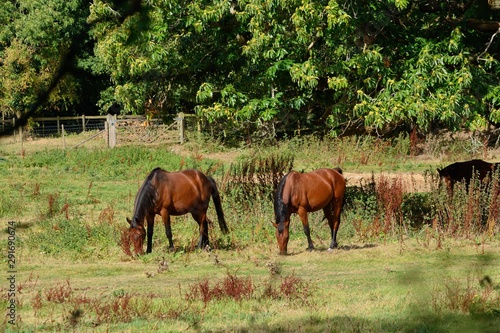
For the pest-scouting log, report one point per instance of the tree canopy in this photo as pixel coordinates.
(259, 67)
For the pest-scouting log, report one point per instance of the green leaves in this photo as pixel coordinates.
(437, 85)
(326, 64)
(34, 43)
(305, 75)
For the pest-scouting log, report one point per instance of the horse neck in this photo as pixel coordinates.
(280, 208)
(144, 202)
(138, 218)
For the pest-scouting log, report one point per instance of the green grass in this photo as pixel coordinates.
(379, 288)
(70, 208)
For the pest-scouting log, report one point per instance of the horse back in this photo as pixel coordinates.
(313, 190)
(336, 179)
(459, 171)
(181, 192)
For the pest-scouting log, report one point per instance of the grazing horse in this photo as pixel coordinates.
(466, 171)
(174, 193)
(301, 193)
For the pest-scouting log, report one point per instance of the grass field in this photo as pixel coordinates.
(71, 274)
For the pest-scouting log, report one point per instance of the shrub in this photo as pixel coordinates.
(256, 177)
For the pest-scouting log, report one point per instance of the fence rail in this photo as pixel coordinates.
(118, 129)
(50, 126)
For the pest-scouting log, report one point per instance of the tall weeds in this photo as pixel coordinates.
(469, 297)
(469, 212)
(390, 197)
(255, 178)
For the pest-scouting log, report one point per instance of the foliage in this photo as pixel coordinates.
(470, 211)
(262, 64)
(257, 70)
(38, 56)
(73, 237)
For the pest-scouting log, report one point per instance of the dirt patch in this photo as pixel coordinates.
(225, 156)
(411, 182)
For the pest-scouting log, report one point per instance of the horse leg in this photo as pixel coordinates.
(201, 218)
(332, 214)
(305, 223)
(151, 221)
(168, 229)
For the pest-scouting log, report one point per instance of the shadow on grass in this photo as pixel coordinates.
(357, 247)
(419, 322)
(340, 248)
(18, 225)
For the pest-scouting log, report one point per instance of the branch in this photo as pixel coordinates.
(489, 44)
(484, 26)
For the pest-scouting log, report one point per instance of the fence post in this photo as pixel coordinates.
(63, 137)
(198, 121)
(180, 125)
(111, 120)
(21, 140)
(83, 123)
(106, 133)
(58, 124)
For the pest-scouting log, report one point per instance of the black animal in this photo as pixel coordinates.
(466, 171)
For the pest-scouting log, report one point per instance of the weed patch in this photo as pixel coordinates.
(231, 287)
(61, 235)
(475, 297)
(60, 293)
(255, 178)
(292, 288)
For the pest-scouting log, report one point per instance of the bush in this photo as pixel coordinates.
(256, 177)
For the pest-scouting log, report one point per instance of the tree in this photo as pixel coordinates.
(253, 64)
(260, 68)
(437, 72)
(41, 44)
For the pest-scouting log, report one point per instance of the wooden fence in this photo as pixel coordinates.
(114, 129)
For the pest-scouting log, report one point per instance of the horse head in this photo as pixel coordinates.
(444, 175)
(137, 234)
(282, 236)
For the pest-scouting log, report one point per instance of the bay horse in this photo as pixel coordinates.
(171, 194)
(465, 171)
(301, 193)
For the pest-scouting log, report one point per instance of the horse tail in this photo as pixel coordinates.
(280, 209)
(344, 196)
(218, 206)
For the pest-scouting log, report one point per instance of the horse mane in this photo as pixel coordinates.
(145, 199)
(280, 209)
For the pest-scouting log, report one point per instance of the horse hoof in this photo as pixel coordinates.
(330, 249)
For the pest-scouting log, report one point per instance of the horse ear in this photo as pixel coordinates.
(129, 221)
(275, 224)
